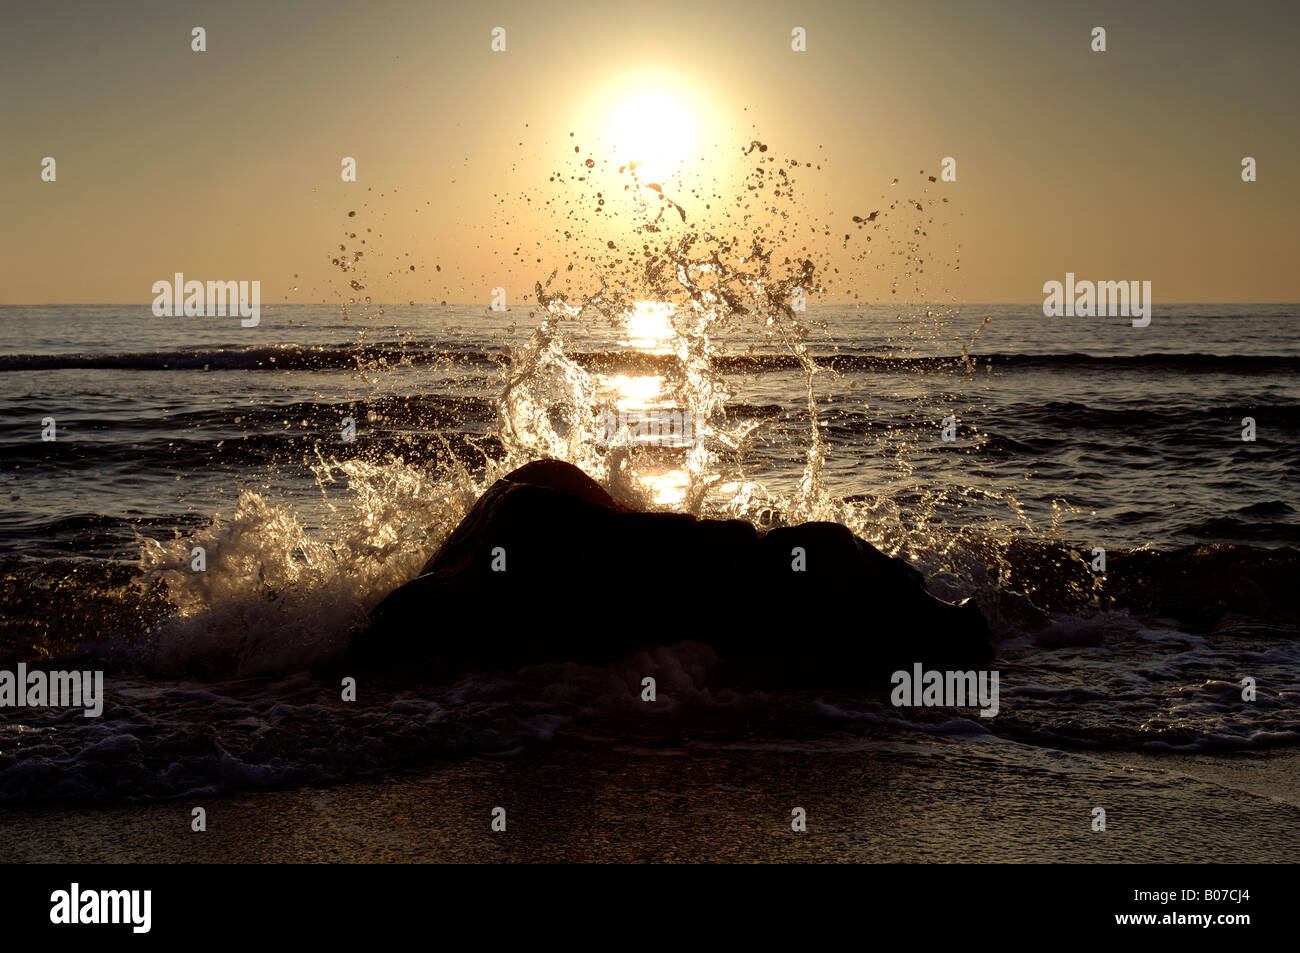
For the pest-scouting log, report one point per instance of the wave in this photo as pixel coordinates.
(268, 575)
(233, 450)
(161, 740)
(328, 357)
(280, 357)
(1194, 362)
(239, 688)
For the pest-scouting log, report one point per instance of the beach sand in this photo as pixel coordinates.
(909, 802)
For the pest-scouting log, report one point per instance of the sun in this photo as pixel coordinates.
(654, 130)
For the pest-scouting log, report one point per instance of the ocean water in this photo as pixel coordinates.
(1069, 434)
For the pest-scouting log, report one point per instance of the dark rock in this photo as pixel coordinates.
(589, 580)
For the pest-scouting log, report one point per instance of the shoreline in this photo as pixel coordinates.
(907, 801)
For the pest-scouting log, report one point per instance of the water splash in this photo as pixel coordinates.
(683, 279)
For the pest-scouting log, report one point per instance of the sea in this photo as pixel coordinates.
(207, 512)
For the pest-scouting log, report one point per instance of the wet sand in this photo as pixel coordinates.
(908, 803)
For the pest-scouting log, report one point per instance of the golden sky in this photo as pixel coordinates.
(1122, 165)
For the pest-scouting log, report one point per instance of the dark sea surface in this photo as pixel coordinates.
(1070, 434)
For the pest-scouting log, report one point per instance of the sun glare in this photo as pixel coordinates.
(650, 325)
(653, 130)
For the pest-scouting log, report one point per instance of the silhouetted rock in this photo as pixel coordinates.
(586, 579)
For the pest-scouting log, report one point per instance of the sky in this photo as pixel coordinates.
(225, 164)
